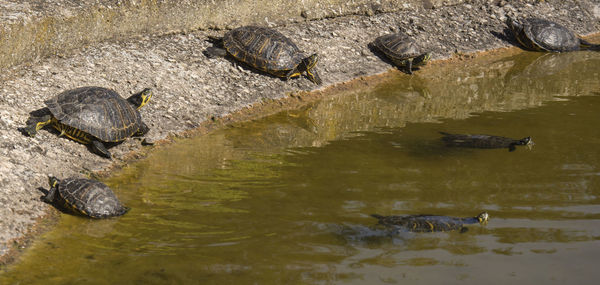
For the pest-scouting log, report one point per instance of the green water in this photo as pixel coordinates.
(286, 199)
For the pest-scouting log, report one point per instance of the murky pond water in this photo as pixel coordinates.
(286, 199)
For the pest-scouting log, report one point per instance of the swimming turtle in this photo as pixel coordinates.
(94, 115)
(268, 50)
(430, 223)
(87, 197)
(401, 50)
(483, 141)
(544, 35)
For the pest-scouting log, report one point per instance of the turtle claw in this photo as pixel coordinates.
(99, 148)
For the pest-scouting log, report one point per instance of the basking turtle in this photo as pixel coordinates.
(430, 223)
(483, 141)
(84, 196)
(268, 50)
(401, 50)
(543, 35)
(94, 115)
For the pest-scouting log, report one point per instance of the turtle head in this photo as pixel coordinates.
(310, 63)
(53, 181)
(483, 218)
(513, 24)
(140, 99)
(526, 141)
(421, 59)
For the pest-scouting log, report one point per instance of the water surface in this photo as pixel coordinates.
(286, 199)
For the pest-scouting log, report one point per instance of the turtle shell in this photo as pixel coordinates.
(482, 141)
(90, 197)
(263, 48)
(430, 223)
(549, 36)
(98, 111)
(398, 46)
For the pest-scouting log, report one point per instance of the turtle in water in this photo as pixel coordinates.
(401, 50)
(267, 50)
(484, 141)
(430, 223)
(94, 115)
(543, 35)
(87, 197)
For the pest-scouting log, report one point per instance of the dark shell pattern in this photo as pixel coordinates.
(480, 141)
(263, 48)
(90, 198)
(397, 47)
(549, 36)
(98, 111)
(427, 223)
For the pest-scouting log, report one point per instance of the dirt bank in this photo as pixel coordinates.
(191, 89)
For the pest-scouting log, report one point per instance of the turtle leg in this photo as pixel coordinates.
(49, 198)
(144, 129)
(36, 123)
(409, 64)
(293, 73)
(464, 230)
(99, 148)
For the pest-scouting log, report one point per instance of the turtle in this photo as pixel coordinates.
(484, 141)
(266, 49)
(543, 35)
(86, 197)
(94, 115)
(401, 50)
(430, 223)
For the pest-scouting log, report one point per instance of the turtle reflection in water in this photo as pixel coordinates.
(484, 141)
(430, 223)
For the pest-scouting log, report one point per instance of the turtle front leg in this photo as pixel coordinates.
(143, 130)
(36, 123)
(49, 198)
(293, 73)
(99, 148)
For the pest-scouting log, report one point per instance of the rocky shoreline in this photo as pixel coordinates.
(194, 92)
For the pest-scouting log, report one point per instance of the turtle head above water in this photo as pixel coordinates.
(140, 99)
(483, 218)
(526, 141)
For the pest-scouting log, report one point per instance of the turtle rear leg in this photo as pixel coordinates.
(99, 148)
(36, 123)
